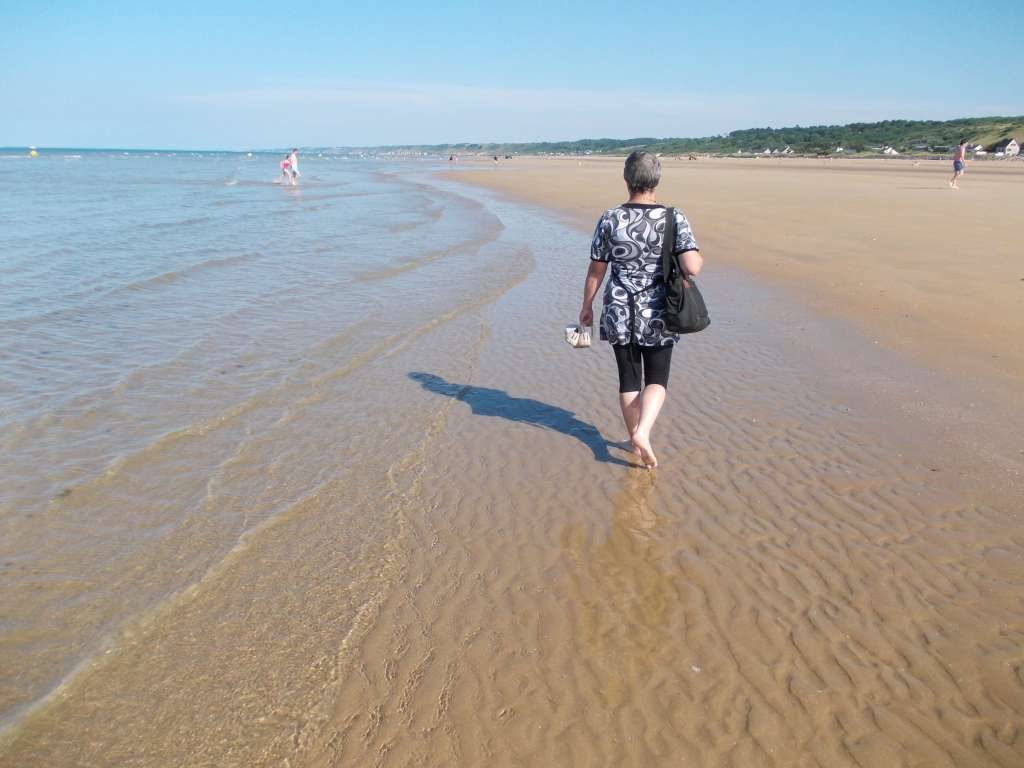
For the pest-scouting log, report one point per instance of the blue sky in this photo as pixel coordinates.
(237, 75)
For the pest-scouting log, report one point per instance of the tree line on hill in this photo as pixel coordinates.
(904, 136)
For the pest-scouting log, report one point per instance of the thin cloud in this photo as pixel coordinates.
(446, 97)
(374, 113)
(369, 114)
(378, 113)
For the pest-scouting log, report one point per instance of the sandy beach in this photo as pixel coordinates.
(819, 576)
(929, 271)
(461, 565)
(297, 469)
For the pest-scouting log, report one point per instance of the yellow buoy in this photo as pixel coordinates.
(33, 153)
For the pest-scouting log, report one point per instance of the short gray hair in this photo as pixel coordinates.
(642, 172)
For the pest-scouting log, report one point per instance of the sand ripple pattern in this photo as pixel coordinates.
(787, 591)
(132, 480)
(792, 588)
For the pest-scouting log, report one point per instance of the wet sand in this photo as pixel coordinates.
(929, 271)
(790, 589)
(820, 573)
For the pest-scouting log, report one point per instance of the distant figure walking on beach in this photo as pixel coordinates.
(959, 163)
(629, 238)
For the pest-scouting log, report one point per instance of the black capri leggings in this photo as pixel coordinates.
(640, 366)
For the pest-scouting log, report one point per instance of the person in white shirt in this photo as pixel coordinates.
(293, 160)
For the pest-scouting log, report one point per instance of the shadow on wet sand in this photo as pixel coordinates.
(487, 401)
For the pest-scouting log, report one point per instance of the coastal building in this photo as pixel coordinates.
(1006, 148)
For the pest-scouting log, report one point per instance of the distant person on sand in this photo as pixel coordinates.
(959, 163)
(629, 238)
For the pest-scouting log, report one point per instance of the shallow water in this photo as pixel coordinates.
(403, 533)
(171, 328)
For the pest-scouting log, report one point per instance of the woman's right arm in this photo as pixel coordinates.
(600, 253)
(595, 276)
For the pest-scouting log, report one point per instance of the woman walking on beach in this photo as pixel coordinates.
(629, 238)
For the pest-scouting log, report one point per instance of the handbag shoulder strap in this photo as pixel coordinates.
(668, 244)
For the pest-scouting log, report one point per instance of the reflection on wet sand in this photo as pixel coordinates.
(626, 565)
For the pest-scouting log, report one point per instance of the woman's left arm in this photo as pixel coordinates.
(691, 262)
(686, 248)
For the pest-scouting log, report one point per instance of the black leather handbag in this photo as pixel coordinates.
(685, 310)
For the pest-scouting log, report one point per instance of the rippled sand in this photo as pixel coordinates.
(818, 574)
(932, 272)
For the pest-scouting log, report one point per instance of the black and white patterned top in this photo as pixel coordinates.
(630, 237)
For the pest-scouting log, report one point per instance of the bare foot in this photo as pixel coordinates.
(642, 448)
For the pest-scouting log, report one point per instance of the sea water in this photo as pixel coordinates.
(187, 353)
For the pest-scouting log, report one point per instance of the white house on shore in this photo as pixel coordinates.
(1006, 148)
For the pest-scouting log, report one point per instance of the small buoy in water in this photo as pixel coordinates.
(33, 153)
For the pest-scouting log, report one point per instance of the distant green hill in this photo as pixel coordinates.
(905, 136)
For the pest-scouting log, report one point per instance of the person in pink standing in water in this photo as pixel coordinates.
(959, 163)
(286, 171)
